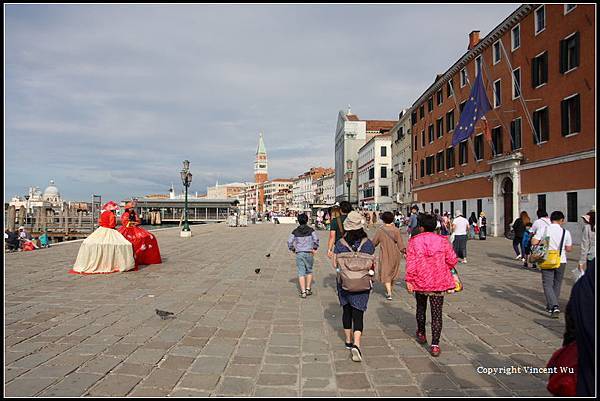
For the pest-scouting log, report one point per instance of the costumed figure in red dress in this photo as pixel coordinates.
(105, 250)
(145, 246)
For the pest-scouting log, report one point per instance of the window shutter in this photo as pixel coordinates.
(576, 61)
(536, 127)
(577, 115)
(564, 111)
(563, 56)
(544, 61)
(535, 79)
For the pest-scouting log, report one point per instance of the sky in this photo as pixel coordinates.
(110, 99)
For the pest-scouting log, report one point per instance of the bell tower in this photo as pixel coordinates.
(261, 173)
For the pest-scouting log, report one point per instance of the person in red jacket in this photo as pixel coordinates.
(145, 246)
(429, 260)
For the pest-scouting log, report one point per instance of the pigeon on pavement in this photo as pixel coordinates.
(268, 255)
(256, 271)
(164, 314)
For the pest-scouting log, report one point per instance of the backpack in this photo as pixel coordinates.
(354, 268)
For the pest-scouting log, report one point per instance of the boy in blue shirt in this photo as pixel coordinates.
(526, 243)
(304, 242)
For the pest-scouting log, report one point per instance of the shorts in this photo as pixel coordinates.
(304, 263)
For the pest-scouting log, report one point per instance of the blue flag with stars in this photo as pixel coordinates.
(475, 108)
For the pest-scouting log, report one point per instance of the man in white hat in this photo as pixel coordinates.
(460, 225)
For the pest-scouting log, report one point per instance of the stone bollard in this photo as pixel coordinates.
(12, 215)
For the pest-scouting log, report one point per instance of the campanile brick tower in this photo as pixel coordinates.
(261, 173)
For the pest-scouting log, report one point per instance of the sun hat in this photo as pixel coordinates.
(458, 213)
(110, 206)
(482, 214)
(21, 228)
(354, 221)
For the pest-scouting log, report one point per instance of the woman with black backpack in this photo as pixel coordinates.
(354, 288)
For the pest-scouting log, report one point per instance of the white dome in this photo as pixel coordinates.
(51, 190)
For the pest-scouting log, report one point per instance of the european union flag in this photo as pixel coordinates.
(475, 108)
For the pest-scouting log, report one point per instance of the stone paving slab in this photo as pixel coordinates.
(237, 333)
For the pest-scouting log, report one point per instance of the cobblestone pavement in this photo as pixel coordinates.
(238, 333)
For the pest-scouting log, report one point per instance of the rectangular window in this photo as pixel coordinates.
(497, 93)
(452, 209)
(463, 77)
(497, 140)
(431, 133)
(440, 127)
(541, 202)
(516, 83)
(569, 53)
(478, 143)
(422, 168)
(539, 70)
(479, 207)
(385, 191)
(515, 134)
(422, 139)
(440, 97)
(429, 165)
(462, 106)
(572, 207)
(383, 151)
(441, 208)
(464, 208)
(515, 38)
(477, 65)
(450, 158)
(439, 159)
(450, 88)
(372, 173)
(569, 8)
(413, 117)
(415, 143)
(570, 115)
(450, 121)
(422, 111)
(497, 55)
(383, 172)
(541, 125)
(463, 155)
(430, 104)
(540, 19)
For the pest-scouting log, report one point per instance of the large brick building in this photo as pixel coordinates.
(539, 71)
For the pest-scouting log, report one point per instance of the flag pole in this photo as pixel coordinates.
(527, 115)
(469, 138)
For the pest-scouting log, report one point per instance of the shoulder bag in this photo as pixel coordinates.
(552, 261)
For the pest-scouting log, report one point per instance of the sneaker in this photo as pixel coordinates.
(303, 294)
(356, 355)
(524, 260)
(308, 291)
(519, 256)
(555, 309)
(388, 297)
(435, 350)
(348, 345)
(421, 338)
(464, 261)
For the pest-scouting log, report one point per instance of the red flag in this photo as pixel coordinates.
(487, 133)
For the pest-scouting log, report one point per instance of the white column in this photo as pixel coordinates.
(495, 182)
(516, 178)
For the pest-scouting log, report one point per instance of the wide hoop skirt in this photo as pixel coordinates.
(104, 251)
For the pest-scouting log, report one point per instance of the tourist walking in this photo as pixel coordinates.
(390, 253)
(304, 242)
(460, 226)
(374, 218)
(526, 244)
(429, 261)
(357, 250)
(559, 240)
(519, 229)
(413, 223)
(472, 224)
(338, 216)
(580, 322)
(446, 227)
(105, 250)
(367, 217)
(588, 242)
(482, 226)
(398, 219)
(541, 224)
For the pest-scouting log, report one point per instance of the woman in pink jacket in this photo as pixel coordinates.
(429, 259)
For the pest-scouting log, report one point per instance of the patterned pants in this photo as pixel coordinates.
(436, 303)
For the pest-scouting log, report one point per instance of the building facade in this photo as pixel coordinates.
(538, 68)
(225, 191)
(274, 190)
(325, 190)
(375, 174)
(350, 135)
(401, 139)
(304, 188)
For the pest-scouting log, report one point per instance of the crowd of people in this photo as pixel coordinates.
(22, 240)
(436, 245)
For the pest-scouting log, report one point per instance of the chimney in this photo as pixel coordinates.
(473, 39)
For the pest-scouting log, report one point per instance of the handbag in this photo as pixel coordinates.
(552, 260)
(539, 252)
(563, 382)
(458, 287)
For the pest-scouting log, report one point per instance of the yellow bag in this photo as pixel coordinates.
(552, 261)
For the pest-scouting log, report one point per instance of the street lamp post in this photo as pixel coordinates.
(186, 179)
(349, 173)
